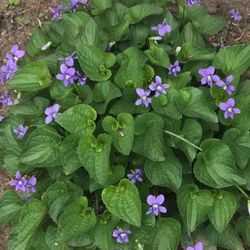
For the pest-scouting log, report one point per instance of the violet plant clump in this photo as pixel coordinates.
(122, 128)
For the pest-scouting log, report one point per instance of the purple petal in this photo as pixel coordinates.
(32, 181)
(223, 106)
(190, 248)
(14, 49)
(198, 246)
(230, 102)
(138, 102)
(151, 200)
(220, 84)
(162, 209)
(153, 86)
(71, 71)
(63, 68)
(60, 77)
(215, 78)
(204, 80)
(127, 231)
(147, 92)
(160, 199)
(13, 183)
(229, 79)
(116, 233)
(48, 119)
(18, 175)
(158, 80)
(236, 111)
(140, 91)
(55, 108)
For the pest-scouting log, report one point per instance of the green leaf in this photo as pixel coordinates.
(33, 77)
(215, 165)
(239, 144)
(121, 130)
(69, 156)
(124, 202)
(31, 216)
(167, 104)
(94, 156)
(131, 73)
(243, 228)
(40, 146)
(225, 205)
(158, 55)
(192, 131)
(167, 235)
(193, 103)
(141, 11)
(148, 140)
(75, 220)
(99, 6)
(233, 60)
(165, 174)
(78, 120)
(194, 204)
(95, 63)
(10, 206)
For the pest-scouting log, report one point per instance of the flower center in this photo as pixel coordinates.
(67, 76)
(173, 69)
(159, 88)
(123, 235)
(20, 183)
(225, 87)
(155, 206)
(209, 78)
(144, 98)
(230, 110)
(16, 58)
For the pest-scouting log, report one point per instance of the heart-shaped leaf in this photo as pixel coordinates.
(124, 202)
(121, 130)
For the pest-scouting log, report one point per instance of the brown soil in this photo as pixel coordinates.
(17, 23)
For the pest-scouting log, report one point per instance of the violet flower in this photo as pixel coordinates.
(57, 12)
(235, 15)
(144, 99)
(2, 78)
(192, 3)
(226, 85)
(19, 183)
(5, 99)
(155, 203)
(9, 69)
(30, 186)
(136, 175)
(158, 86)
(174, 69)
(52, 112)
(80, 78)
(16, 53)
(122, 236)
(67, 75)
(197, 246)
(208, 76)
(20, 131)
(2, 118)
(162, 28)
(75, 4)
(228, 108)
(69, 60)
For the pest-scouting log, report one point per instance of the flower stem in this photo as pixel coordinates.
(243, 193)
(183, 139)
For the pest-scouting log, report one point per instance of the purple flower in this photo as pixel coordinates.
(144, 99)
(67, 75)
(16, 53)
(9, 69)
(30, 187)
(208, 76)
(5, 100)
(155, 203)
(20, 131)
(158, 87)
(2, 118)
(121, 235)
(162, 28)
(197, 246)
(191, 3)
(57, 12)
(174, 69)
(52, 112)
(235, 15)
(228, 108)
(136, 175)
(75, 4)
(19, 183)
(80, 78)
(69, 60)
(226, 85)
(2, 77)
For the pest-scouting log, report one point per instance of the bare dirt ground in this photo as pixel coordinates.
(17, 23)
